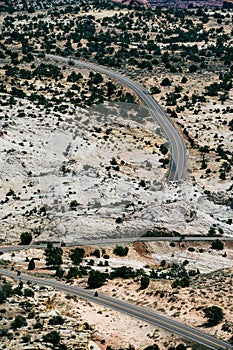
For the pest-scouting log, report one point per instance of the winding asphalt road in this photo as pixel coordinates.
(129, 309)
(177, 145)
(114, 241)
(175, 174)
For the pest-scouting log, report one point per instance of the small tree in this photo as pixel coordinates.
(152, 347)
(59, 272)
(96, 253)
(145, 281)
(181, 347)
(166, 82)
(73, 204)
(217, 244)
(5, 291)
(38, 325)
(211, 231)
(184, 80)
(26, 338)
(163, 263)
(52, 337)
(25, 238)
(96, 279)
(18, 290)
(56, 320)
(121, 251)
(77, 255)
(53, 256)
(118, 220)
(28, 292)
(163, 149)
(18, 322)
(214, 315)
(155, 90)
(31, 265)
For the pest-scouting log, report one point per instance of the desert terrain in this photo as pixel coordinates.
(212, 285)
(82, 158)
(112, 166)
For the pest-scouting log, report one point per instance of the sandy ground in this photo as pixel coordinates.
(185, 304)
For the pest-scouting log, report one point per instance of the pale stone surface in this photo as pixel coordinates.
(111, 169)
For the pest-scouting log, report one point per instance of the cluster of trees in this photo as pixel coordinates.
(129, 40)
(111, 45)
(96, 279)
(6, 290)
(77, 255)
(121, 251)
(180, 275)
(76, 89)
(53, 256)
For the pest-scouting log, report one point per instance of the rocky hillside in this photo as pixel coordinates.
(69, 169)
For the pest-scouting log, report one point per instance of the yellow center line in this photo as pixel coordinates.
(118, 305)
(140, 313)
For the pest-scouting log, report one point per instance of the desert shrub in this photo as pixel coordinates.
(19, 322)
(217, 244)
(121, 251)
(96, 279)
(52, 337)
(77, 255)
(214, 314)
(152, 347)
(96, 253)
(5, 292)
(28, 292)
(56, 320)
(191, 249)
(25, 238)
(183, 283)
(145, 281)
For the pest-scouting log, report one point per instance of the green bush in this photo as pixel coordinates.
(18, 322)
(5, 292)
(31, 265)
(25, 238)
(56, 320)
(52, 337)
(96, 253)
(217, 244)
(166, 82)
(77, 255)
(152, 347)
(53, 256)
(75, 272)
(214, 315)
(28, 293)
(183, 283)
(121, 251)
(96, 279)
(123, 272)
(145, 281)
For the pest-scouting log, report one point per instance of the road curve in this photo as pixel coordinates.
(177, 145)
(129, 309)
(114, 241)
